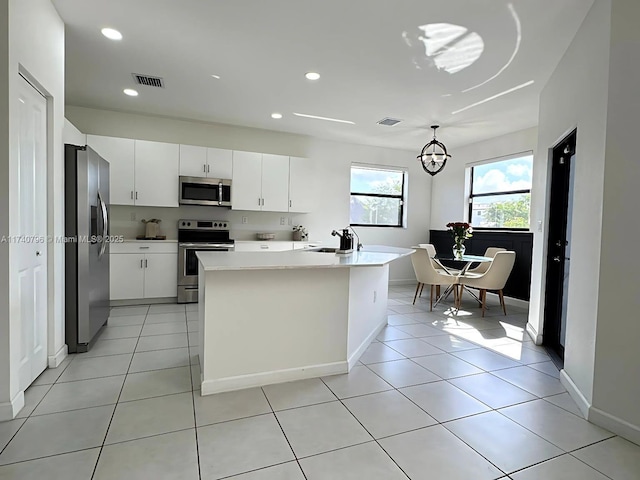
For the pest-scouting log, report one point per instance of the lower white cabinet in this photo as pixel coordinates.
(143, 271)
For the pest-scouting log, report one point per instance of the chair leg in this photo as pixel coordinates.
(504, 306)
(431, 299)
(421, 288)
(416, 295)
(460, 290)
(483, 296)
(437, 290)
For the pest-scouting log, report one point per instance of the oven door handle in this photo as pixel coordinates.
(206, 245)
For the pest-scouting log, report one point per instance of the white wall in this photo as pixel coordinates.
(36, 48)
(448, 189)
(70, 134)
(333, 160)
(575, 96)
(616, 388)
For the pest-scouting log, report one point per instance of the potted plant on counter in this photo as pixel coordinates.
(300, 234)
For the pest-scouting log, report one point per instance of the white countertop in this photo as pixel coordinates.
(369, 256)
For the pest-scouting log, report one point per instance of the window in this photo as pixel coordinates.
(500, 194)
(377, 196)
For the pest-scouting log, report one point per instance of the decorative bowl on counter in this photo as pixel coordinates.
(266, 236)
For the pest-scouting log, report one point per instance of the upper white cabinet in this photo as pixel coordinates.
(219, 163)
(141, 172)
(262, 182)
(246, 190)
(275, 183)
(193, 161)
(301, 184)
(119, 152)
(205, 162)
(156, 174)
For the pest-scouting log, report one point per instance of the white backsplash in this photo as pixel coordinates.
(126, 220)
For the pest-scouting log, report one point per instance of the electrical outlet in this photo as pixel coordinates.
(245, 220)
(133, 216)
(283, 221)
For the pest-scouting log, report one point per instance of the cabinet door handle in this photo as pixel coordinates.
(289, 203)
(136, 195)
(146, 263)
(204, 167)
(131, 194)
(208, 168)
(259, 201)
(141, 263)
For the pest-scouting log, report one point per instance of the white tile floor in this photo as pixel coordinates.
(436, 396)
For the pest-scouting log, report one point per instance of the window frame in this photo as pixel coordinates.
(401, 196)
(471, 196)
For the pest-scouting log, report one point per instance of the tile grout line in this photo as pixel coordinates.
(106, 433)
(283, 432)
(193, 402)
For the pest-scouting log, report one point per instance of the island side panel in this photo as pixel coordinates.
(368, 294)
(268, 326)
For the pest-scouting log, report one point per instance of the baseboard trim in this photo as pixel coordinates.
(55, 360)
(9, 410)
(142, 301)
(240, 382)
(399, 283)
(535, 336)
(575, 393)
(621, 427)
(355, 356)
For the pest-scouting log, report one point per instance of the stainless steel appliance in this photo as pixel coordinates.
(86, 246)
(195, 236)
(205, 191)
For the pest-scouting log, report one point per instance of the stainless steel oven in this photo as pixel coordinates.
(196, 236)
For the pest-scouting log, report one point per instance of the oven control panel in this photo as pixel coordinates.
(203, 225)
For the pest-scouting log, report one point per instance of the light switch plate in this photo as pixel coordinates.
(245, 220)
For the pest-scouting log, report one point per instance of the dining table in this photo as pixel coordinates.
(462, 265)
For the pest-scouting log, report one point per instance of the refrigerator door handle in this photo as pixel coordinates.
(105, 224)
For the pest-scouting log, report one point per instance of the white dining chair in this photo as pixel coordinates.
(483, 267)
(494, 279)
(426, 274)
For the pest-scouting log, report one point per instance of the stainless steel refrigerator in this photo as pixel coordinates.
(86, 246)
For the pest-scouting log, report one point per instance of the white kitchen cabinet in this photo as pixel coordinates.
(275, 183)
(302, 193)
(205, 162)
(270, 246)
(141, 270)
(246, 189)
(119, 152)
(260, 182)
(126, 276)
(156, 173)
(193, 161)
(219, 163)
(160, 275)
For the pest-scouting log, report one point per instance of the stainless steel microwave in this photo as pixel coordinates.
(205, 191)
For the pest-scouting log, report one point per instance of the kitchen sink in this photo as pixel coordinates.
(323, 250)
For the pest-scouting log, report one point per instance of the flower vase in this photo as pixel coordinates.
(458, 250)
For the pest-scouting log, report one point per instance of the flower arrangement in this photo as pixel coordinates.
(300, 233)
(460, 231)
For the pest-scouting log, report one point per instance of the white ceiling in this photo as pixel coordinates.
(368, 52)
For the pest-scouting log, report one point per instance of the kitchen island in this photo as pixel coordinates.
(280, 316)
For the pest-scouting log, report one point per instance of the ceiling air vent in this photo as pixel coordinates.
(148, 80)
(389, 122)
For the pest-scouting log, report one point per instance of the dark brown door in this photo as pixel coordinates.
(559, 247)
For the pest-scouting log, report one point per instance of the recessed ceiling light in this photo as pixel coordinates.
(312, 75)
(217, 77)
(111, 34)
(324, 118)
(131, 92)
(276, 115)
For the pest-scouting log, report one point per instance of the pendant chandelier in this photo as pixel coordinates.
(434, 155)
